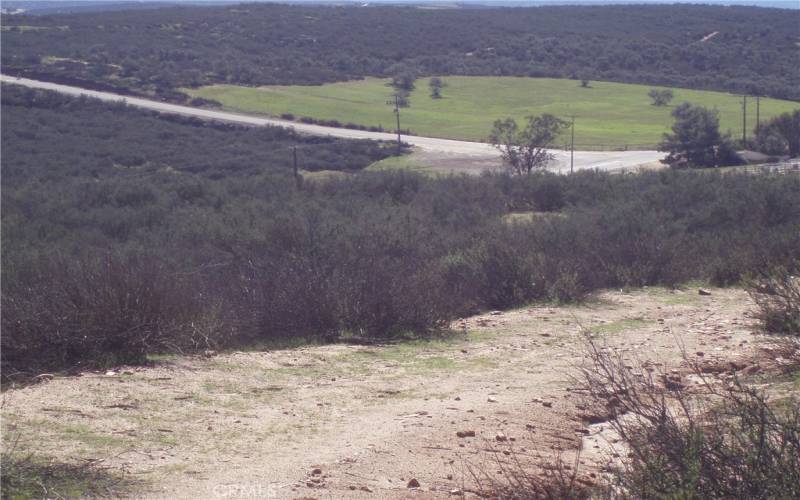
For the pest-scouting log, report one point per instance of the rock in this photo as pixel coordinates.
(455, 492)
(495, 313)
(366, 488)
(413, 483)
(352, 487)
(491, 399)
(501, 437)
(316, 472)
(465, 434)
(457, 398)
(702, 291)
(547, 404)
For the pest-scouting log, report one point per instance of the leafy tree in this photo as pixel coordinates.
(780, 135)
(403, 77)
(525, 150)
(660, 97)
(585, 82)
(695, 140)
(436, 84)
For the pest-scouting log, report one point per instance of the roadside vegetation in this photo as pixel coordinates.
(159, 50)
(106, 264)
(611, 115)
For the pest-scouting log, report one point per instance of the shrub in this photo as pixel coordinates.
(101, 312)
(777, 294)
(714, 441)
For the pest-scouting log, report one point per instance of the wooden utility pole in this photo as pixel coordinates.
(758, 113)
(572, 147)
(744, 121)
(397, 112)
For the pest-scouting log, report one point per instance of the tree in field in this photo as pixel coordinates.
(695, 140)
(403, 77)
(585, 82)
(525, 150)
(436, 84)
(660, 97)
(780, 135)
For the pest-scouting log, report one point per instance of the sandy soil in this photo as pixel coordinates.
(346, 421)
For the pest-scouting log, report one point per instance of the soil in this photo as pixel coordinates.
(354, 421)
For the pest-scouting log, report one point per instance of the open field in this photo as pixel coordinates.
(258, 423)
(610, 114)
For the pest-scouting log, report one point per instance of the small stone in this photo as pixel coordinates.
(455, 492)
(352, 487)
(465, 434)
(491, 399)
(547, 404)
(702, 291)
(366, 488)
(413, 483)
(316, 472)
(495, 313)
(457, 398)
(501, 437)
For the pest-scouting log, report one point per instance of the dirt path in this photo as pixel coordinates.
(258, 424)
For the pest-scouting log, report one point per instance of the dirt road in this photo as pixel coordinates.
(467, 151)
(343, 421)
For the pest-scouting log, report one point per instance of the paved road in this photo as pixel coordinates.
(606, 160)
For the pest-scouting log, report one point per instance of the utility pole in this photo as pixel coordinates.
(572, 147)
(397, 112)
(758, 113)
(744, 121)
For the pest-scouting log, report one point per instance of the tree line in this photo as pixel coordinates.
(161, 50)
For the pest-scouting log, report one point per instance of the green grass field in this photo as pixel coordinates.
(610, 114)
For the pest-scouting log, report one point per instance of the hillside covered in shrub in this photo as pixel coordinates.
(739, 49)
(108, 258)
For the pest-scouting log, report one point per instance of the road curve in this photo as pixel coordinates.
(605, 160)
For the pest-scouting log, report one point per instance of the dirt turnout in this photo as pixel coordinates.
(347, 421)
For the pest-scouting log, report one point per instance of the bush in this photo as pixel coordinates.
(777, 294)
(101, 312)
(715, 441)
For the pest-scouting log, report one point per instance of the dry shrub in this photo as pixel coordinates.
(100, 312)
(715, 439)
(547, 478)
(777, 294)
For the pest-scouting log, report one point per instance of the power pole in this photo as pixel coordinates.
(744, 121)
(397, 112)
(758, 113)
(572, 147)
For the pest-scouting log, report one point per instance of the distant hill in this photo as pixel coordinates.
(156, 50)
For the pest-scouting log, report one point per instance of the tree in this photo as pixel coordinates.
(780, 135)
(695, 140)
(585, 82)
(436, 84)
(660, 97)
(526, 150)
(403, 77)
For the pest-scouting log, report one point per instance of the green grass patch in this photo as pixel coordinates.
(611, 114)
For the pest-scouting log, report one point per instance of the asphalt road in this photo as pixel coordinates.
(604, 160)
